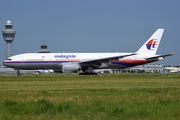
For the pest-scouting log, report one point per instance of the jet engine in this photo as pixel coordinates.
(70, 67)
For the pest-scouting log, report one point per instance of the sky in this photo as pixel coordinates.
(91, 26)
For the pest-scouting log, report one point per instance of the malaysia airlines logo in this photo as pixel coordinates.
(151, 44)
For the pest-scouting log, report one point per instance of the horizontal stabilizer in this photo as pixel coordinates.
(159, 56)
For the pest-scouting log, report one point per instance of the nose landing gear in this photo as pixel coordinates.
(18, 73)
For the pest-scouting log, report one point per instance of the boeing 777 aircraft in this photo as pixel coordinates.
(86, 62)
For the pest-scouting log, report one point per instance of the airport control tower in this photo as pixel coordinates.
(8, 35)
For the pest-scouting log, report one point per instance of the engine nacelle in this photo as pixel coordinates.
(70, 67)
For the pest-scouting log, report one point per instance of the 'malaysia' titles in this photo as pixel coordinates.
(65, 56)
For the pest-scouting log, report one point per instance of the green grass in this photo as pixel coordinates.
(105, 96)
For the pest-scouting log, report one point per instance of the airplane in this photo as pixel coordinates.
(85, 63)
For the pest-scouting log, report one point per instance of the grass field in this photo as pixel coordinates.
(107, 96)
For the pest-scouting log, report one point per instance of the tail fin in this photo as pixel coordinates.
(151, 45)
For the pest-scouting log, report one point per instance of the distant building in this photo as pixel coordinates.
(142, 69)
(149, 68)
(43, 49)
(6, 70)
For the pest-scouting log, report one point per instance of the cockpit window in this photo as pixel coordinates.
(8, 59)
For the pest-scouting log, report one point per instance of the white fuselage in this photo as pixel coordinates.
(54, 60)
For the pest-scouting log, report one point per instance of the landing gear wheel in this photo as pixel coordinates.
(87, 73)
(18, 73)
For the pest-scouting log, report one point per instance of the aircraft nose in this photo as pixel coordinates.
(5, 63)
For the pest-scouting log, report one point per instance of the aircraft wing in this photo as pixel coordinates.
(159, 56)
(103, 60)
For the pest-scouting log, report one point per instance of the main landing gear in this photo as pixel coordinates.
(87, 73)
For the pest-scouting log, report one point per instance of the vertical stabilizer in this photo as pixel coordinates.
(152, 44)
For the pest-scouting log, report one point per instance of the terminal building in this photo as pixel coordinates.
(148, 68)
(6, 70)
